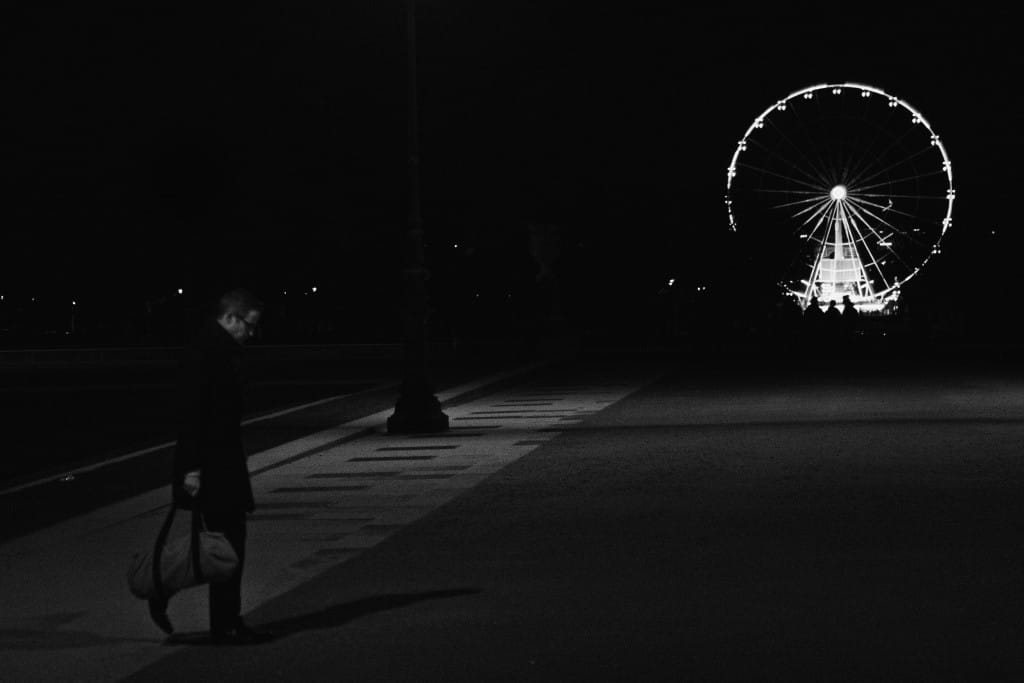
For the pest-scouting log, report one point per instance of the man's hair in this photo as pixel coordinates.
(238, 302)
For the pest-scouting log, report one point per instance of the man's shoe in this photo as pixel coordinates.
(158, 612)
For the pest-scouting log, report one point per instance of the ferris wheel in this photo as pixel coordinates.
(851, 187)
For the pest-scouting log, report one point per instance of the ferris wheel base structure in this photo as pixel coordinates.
(865, 304)
(836, 278)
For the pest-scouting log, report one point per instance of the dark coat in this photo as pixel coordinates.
(210, 432)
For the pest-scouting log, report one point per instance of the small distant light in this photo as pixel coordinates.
(671, 281)
(286, 292)
(74, 303)
(180, 290)
(455, 246)
(68, 477)
(314, 290)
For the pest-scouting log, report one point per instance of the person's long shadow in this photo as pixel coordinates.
(334, 615)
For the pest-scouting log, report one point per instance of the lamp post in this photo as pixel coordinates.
(417, 409)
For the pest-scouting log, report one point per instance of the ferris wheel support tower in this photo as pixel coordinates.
(839, 269)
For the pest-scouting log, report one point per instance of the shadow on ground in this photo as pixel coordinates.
(48, 633)
(332, 616)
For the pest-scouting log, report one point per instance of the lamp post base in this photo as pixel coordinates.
(417, 411)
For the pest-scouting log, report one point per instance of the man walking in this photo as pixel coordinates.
(210, 471)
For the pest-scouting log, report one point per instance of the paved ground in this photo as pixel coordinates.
(119, 401)
(82, 438)
(591, 525)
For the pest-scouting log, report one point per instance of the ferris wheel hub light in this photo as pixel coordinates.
(838, 192)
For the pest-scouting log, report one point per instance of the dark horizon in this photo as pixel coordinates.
(141, 143)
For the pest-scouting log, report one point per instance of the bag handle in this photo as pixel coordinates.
(161, 539)
(198, 525)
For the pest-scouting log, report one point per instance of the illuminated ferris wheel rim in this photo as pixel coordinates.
(866, 91)
(918, 116)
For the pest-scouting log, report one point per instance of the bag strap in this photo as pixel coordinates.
(197, 526)
(158, 550)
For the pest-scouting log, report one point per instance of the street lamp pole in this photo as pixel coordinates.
(417, 409)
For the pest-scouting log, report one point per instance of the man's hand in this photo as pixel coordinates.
(191, 483)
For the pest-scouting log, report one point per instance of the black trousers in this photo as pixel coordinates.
(226, 596)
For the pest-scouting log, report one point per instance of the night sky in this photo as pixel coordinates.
(144, 149)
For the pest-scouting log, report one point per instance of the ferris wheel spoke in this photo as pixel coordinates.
(892, 252)
(856, 206)
(817, 182)
(866, 165)
(883, 195)
(865, 160)
(845, 152)
(855, 182)
(852, 234)
(776, 158)
(820, 170)
(826, 212)
(808, 237)
(783, 177)
(902, 233)
(819, 252)
(860, 189)
(761, 190)
(816, 209)
(867, 149)
(821, 154)
(864, 244)
(886, 208)
(814, 201)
